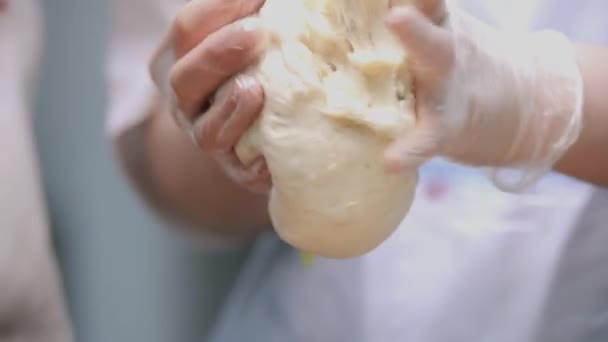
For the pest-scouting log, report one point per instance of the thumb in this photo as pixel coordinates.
(415, 148)
(429, 45)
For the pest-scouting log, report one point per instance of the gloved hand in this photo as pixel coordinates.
(486, 97)
(197, 66)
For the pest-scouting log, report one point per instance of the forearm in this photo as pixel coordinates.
(587, 159)
(183, 183)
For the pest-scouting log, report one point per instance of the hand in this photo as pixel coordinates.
(197, 68)
(486, 97)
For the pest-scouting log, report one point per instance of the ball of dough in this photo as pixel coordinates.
(337, 93)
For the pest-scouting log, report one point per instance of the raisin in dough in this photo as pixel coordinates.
(337, 93)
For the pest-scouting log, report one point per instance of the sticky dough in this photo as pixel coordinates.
(337, 93)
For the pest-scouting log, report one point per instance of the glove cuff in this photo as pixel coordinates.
(552, 122)
(515, 98)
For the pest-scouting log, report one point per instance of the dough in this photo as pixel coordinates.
(337, 93)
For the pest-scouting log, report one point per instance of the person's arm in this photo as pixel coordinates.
(502, 100)
(587, 159)
(181, 182)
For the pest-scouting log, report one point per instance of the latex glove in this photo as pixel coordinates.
(486, 97)
(197, 68)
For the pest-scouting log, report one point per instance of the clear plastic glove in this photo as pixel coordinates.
(486, 97)
(197, 68)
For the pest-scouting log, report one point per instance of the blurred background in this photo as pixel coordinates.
(126, 278)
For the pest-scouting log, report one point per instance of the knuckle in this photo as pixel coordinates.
(242, 7)
(249, 6)
(182, 29)
(215, 52)
(232, 47)
(182, 84)
(226, 59)
(250, 94)
(174, 78)
(176, 81)
(201, 136)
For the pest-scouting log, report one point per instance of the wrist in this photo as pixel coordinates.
(515, 98)
(551, 115)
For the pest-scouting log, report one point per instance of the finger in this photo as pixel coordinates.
(232, 113)
(224, 53)
(435, 10)
(416, 148)
(193, 23)
(255, 178)
(249, 106)
(205, 130)
(198, 19)
(428, 44)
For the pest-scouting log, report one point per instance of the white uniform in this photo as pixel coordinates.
(469, 264)
(31, 302)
